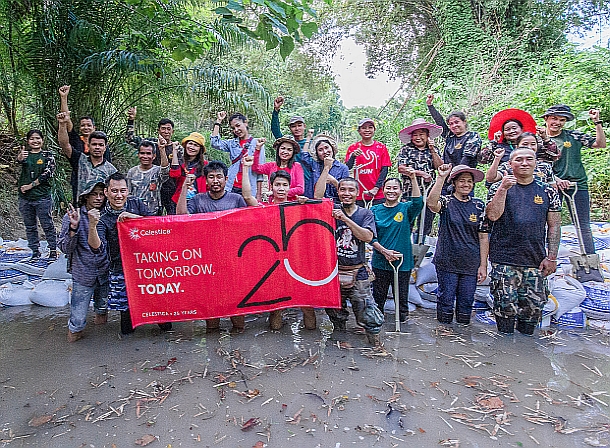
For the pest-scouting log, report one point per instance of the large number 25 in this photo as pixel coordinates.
(286, 235)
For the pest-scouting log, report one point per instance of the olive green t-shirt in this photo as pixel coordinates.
(37, 166)
(569, 166)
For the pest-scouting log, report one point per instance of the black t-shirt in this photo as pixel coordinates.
(350, 250)
(109, 234)
(458, 248)
(518, 237)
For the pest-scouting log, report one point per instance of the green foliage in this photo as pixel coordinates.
(280, 23)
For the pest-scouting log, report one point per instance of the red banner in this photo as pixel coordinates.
(228, 263)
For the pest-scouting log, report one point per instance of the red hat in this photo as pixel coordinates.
(497, 121)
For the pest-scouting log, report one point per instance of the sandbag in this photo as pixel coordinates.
(599, 324)
(390, 306)
(568, 291)
(574, 318)
(416, 299)
(58, 270)
(486, 317)
(597, 304)
(426, 273)
(52, 293)
(16, 295)
(428, 291)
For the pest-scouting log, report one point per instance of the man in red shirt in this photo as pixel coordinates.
(370, 161)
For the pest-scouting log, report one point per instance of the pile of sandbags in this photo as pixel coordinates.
(24, 282)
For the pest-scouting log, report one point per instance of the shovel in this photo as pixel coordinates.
(420, 249)
(586, 266)
(396, 291)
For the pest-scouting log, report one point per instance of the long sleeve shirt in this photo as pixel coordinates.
(234, 149)
(462, 150)
(297, 182)
(85, 265)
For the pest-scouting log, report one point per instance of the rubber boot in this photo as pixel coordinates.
(525, 327)
(165, 326)
(444, 318)
(462, 318)
(212, 325)
(239, 324)
(505, 324)
(275, 320)
(309, 318)
(126, 325)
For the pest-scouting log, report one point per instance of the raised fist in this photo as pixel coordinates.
(429, 99)
(63, 91)
(132, 112)
(278, 103)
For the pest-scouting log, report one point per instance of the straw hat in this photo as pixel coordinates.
(419, 123)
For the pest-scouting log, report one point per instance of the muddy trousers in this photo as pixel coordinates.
(519, 294)
(458, 289)
(79, 303)
(366, 312)
(383, 280)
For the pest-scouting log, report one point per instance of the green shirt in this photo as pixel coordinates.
(394, 231)
(569, 166)
(37, 166)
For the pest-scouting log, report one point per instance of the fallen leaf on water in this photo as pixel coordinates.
(250, 424)
(145, 440)
(39, 421)
(491, 403)
(423, 431)
(259, 444)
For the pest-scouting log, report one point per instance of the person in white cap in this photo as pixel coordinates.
(371, 161)
(463, 242)
(523, 243)
(420, 154)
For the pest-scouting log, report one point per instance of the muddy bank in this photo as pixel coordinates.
(432, 386)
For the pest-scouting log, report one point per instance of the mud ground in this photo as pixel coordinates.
(431, 386)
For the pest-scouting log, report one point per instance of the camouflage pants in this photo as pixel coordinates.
(367, 314)
(518, 292)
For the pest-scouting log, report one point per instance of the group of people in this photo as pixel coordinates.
(517, 229)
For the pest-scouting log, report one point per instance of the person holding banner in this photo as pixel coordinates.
(286, 151)
(242, 145)
(104, 237)
(89, 269)
(394, 221)
(355, 228)
(280, 191)
(215, 199)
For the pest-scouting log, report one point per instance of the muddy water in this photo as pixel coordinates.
(432, 386)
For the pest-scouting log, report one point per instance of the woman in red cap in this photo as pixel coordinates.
(505, 130)
(194, 161)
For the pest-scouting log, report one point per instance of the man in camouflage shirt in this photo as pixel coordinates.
(91, 168)
(165, 129)
(145, 180)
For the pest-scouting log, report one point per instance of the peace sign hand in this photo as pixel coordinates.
(74, 215)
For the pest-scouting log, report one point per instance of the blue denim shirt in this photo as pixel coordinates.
(83, 263)
(232, 147)
(338, 171)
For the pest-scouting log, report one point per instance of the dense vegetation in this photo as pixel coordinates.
(185, 59)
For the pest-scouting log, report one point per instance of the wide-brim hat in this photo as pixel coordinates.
(194, 137)
(477, 175)
(419, 123)
(323, 138)
(559, 110)
(528, 124)
(293, 142)
(90, 186)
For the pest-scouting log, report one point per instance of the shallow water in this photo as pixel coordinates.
(304, 388)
